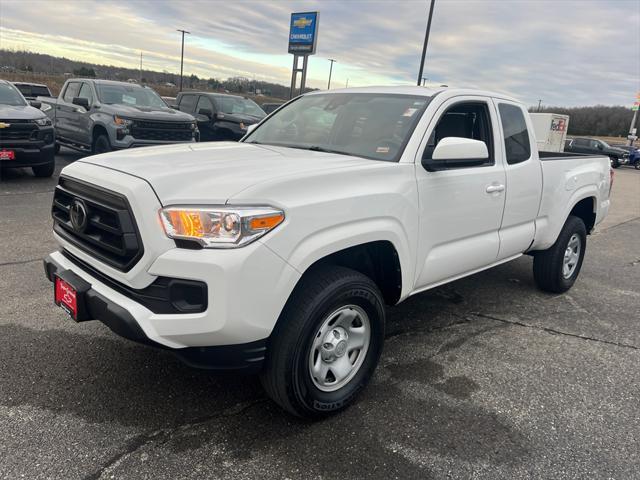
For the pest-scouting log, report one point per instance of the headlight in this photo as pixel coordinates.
(43, 122)
(194, 126)
(45, 107)
(122, 122)
(220, 227)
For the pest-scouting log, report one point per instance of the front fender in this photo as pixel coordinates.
(327, 241)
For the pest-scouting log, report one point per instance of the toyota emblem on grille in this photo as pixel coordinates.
(78, 215)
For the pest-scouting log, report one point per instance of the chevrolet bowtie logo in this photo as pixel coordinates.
(4, 125)
(302, 22)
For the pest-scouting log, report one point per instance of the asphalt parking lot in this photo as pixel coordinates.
(484, 378)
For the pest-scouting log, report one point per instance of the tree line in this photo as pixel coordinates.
(598, 120)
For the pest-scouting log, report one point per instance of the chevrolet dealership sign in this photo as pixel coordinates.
(303, 33)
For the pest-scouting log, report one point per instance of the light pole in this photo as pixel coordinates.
(539, 104)
(426, 41)
(330, 70)
(182, 55)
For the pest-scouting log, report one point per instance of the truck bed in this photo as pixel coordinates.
(568, 178)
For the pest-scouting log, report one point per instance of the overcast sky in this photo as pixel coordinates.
(564, 52)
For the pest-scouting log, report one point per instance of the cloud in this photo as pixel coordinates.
(564, 52)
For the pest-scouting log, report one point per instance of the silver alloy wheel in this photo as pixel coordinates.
(339, 348)
(571, 256)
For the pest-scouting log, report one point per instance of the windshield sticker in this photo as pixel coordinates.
(409, 112)
(128, 99)
(382, 150)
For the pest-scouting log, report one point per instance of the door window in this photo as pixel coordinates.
(516, 135)
(204, 103)
(85, 92)
(464, 120)
(580, 142)
(71, 91)
(187, 103)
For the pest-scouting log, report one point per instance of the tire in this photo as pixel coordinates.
(615, 163)
(325, 299)
(101, 144)
(637, 166)
(549, 265)
(46, 170)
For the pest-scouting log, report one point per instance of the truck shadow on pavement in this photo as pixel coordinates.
(410, 412)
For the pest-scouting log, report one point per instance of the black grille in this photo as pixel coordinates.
(110, 235)
(18, 130)
(162, 131)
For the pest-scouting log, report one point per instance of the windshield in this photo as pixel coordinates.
(244, 106)
(370, 125)
(9, 95)
(129, 95)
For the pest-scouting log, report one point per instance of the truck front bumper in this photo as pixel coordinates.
(28, 154)
(213, 339)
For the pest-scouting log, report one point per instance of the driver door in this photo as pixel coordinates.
(461, 206)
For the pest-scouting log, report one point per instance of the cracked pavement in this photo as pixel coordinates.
(486, 377)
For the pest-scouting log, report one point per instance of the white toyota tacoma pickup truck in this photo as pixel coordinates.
(277, 255)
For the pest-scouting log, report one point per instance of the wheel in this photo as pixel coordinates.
(615, 163)
(101, 144)
(637, 166)
(326, 344)
(556, 269)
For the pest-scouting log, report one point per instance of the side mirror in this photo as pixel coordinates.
(81, 102)
(457, 152)
(206, 112)
(251, 128)
(600, 147)
(35, 104)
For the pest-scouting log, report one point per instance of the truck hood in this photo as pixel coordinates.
(147, 113)
(26, 112)
(212, 173)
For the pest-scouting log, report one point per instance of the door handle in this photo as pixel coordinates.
(495, 188)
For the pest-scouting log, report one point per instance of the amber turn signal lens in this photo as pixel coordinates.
(186, 223)
(266, 223)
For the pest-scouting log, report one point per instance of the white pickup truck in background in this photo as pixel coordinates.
(277, 255)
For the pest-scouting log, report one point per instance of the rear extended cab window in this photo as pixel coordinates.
(516, 135)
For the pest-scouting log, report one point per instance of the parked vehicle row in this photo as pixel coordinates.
(277, 255)
(27, 137)
(593, 146)
(98, 116)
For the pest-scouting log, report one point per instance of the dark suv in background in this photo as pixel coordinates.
(219, 116)
(592, 146)
(26, 134)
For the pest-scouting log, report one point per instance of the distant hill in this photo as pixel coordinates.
(41, 65)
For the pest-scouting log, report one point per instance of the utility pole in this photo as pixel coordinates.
(141, 67)
(182, 54)
(426, 41)
(539, 105)
(330, 70)
(632, 128)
